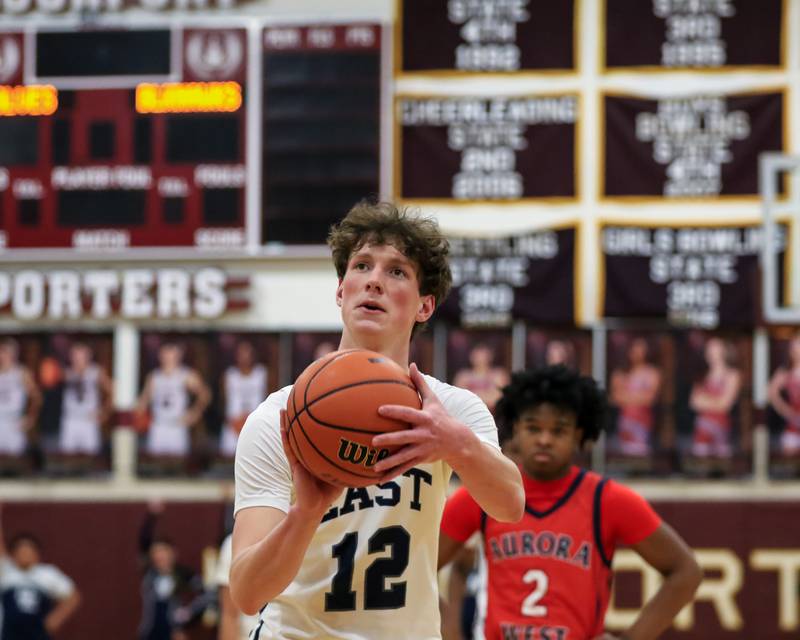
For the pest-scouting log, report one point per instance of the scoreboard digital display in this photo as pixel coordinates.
(143, 136)
(123, 137)
(321, 127)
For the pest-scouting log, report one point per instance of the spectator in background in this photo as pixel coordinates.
(323, 349)
(173, 597)
(784, 396)
(37, 598)
(20, 400)
(86, 403)
(634, 390)
(233, 624)
(483, 378)
(712, 399)
(167, 396)
(560, 352)
(244, 387)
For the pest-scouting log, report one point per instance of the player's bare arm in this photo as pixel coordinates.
(448, 549)
(453, 605)
(62, 611)
(776, 385)
(492, 479)
(3, 550)
(143, 403)
(202, 397)
(34, 400)
(269, 545)
(107, 394)
(666, 552)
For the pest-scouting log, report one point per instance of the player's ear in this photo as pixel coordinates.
(339, 293)
(427, 304)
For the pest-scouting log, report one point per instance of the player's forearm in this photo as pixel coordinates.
(677, 590)
(492, 479)
(62, 611)
(262, 571)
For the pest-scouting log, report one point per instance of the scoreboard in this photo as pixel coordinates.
(185, 134)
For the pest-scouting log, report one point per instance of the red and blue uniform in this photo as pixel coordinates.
(548, 576)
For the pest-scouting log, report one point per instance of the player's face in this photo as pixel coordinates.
(638, 352)
(794, 350)
(547, 437)
(244, 355)
(380, 299)
(25, 554)
(8, 356)
(162, 556)
(715, 351)
(481, 357)
(556, 353)
(169, 356)
(79, 356)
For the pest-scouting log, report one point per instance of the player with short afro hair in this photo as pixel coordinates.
(559, 386)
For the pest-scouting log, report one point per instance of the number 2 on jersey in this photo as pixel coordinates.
(341, 597)
(529, 605)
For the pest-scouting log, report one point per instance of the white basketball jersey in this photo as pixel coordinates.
(170, 399)
(13, 397)
(82, 394)
(370, 570)
(243, 393)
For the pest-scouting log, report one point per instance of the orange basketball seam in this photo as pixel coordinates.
(307, 408)
(331, 462)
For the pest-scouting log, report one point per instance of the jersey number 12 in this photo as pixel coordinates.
(341, 597)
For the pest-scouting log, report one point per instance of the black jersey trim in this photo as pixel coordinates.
(562, 500)
(597, 522)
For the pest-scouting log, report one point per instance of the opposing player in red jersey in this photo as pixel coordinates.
(548, 576)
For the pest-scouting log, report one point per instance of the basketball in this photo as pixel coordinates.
(50, 373)
(141, 421)
(332, 414)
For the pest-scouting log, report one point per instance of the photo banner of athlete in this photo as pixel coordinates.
(696, 276)
(691, 146)
(501, 148)
(499, 280)
(697, 35)
(491, 36)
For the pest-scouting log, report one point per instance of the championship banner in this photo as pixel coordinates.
(697, 276)
(491, 149)
(667, 35)
(699, 146)
(490, 36)
(526, 277)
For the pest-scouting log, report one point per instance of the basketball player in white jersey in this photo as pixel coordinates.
(167, 395)
(86, 403)
(244, 387)
(361, 563)
(20, 400)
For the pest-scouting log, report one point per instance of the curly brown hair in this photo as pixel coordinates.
(414, 235)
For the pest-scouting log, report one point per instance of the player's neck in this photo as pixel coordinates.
(562, 473)
(396, 349)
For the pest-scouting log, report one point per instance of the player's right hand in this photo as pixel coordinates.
(311, 494)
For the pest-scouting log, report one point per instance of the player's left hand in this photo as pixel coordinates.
(434, 433)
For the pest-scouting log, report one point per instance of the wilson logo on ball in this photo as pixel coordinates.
(356, 453)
